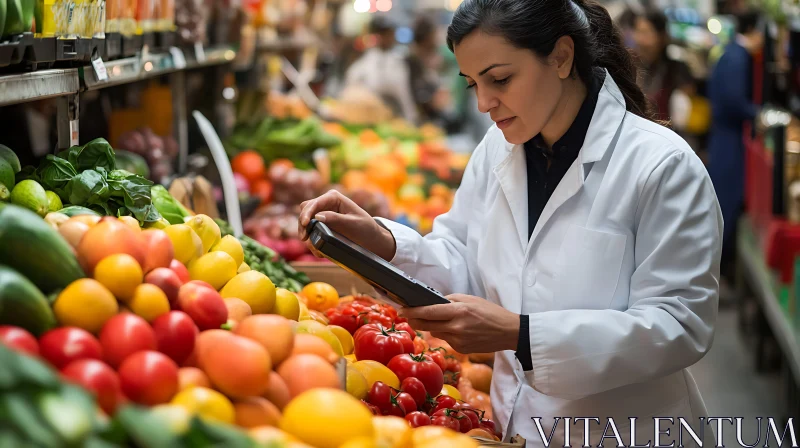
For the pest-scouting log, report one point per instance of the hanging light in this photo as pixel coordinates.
(383, 5)
(361, 6)
(714, 25)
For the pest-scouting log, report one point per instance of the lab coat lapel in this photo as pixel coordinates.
(606, 120)
(512, 174)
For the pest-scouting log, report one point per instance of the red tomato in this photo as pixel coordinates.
(417, 419)
(375, 318)
(446, 421)
(98, 378)
(472, 414)
(395, 410)
(421, 367)
(443, 402)
(377, 343)
(124, 335)
(464, 423)
(400, 320)
(404, 326)
(175, 333)
(405, 402)
(414, 387)
(262, 189)
(61, 346)
(490, 426)
(372, 408)
(249, 164)
(452, 364)
(18, 339)
(380, 395)
(346, 318)
(149, 377)
(437, 357)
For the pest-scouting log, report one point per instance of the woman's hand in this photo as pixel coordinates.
(342, 215)
(469, 324)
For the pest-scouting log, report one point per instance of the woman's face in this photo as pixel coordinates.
(649, 43)
(519, 90)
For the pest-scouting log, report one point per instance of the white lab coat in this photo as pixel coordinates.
(620, 277)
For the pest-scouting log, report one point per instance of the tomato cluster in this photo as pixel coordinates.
(362, 310)
(419, 409)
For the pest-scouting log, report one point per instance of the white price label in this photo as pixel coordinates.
(178, 59)
(199, 52)
(100, 69)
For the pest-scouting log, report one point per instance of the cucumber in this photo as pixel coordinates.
(30, 246)
(22, 304)
(75, 210)
(5, 152)
(31, 195)
(14, 20)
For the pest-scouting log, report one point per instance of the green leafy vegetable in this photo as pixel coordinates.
(54, 173)
(169, 208)
(96, 153)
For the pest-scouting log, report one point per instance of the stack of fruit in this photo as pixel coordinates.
(164, 319)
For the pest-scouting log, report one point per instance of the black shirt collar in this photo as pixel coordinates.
(572, 141)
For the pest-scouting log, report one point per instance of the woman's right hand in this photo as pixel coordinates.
(344, 216)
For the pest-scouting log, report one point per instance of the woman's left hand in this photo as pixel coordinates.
(469, 324)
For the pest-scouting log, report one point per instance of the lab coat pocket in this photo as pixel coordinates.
(589, 265)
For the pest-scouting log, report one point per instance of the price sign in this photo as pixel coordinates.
(100, 69)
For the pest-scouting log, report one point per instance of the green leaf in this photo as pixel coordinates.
(54, 173)
(145, 429)
(134, 192)
(167, 206)
(88, 188)
(96, 153)
(24, 417)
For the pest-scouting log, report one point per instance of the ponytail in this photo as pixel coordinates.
(538, 24)
(610, 53)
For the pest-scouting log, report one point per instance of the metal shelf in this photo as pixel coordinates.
(147, 66)
(289, 44)
(761, 281)
(23, 87)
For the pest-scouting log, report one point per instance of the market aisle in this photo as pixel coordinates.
(729, 383)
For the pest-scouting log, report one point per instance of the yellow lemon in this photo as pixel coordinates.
(326, 418)
(215, 268)
(362, 442)
(149, 302)
(243, 268)
(393, 431)
(321, 331)
(286, 304)
(350, 358)
(187, 244)
(304, 312)
(344, 337)
(254, 288)
(375, 371)
(450, 391)
(207, 230)
(231, 246)
(131, 222)
(85, 303)
(356, 384)
(206, 403)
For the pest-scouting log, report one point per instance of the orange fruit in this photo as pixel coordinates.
(85, 304)
(277, 392)
(238, 309)
(249, 164)
(271, 331)
(253, 412)
(315, 345)
(305, 372)
(121, 274)
(149, 302)
(320, 296)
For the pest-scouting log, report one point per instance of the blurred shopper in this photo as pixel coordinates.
(662, 76)
(730, 92)
(425, 63)
(384, 71)
(583, 244)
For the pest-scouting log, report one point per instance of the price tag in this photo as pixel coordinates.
(199, 52)
(178, 59)
(100, 69)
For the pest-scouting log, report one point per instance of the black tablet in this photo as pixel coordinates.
(383, 276)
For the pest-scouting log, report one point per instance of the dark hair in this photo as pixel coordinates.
(538, 24)
(747, 21)
(657, 19)
(381, 23)
(424, 28)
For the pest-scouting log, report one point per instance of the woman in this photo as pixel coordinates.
(583, 244)
(662, 75)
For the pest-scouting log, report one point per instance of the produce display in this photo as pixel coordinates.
(173, 325)
(146, 154)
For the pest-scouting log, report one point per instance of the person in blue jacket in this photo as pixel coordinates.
(730, 94)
